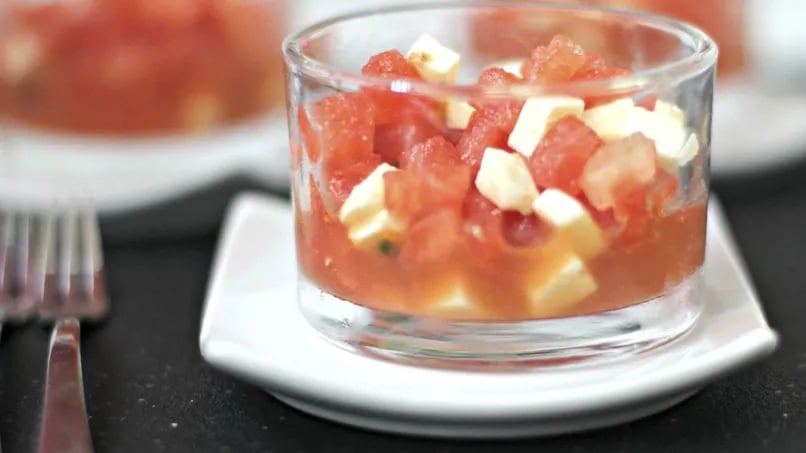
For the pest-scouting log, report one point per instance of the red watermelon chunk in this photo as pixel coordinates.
(391, 106)
(497, 77)
(555, 63)
(502, 113)
(433, 238)
(483, 221)
(341, 180)
(342, 128)
(595, 68)
(491, 123)
(431, 176)
(390, 64)
(560, 157)
(628, 162)
(393, 139)
(481, 133)
(523, 230)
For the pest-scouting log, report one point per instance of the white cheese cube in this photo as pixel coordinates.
(373, 231)
(505, 180)
(571, 220)
(434, 62)
(669, 135)
(458, 113)
(537, 115)
(455, 303)
(608, 120)
(671, 110)
(672, 161)
(569, 284)
(367, 198)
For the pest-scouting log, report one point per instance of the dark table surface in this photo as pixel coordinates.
(148, 389)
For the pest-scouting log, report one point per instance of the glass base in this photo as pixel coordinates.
(560, 341)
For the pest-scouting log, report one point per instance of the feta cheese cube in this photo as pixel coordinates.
(569, 284)
(367, 198)
(434, 62)
(364, 212)
(505, 180)
(375, 230)
(669, 135)
(455, 303)
(665, 126)
(671, 110)
(672, 161)
(537, 115)
(608, 120)
(572, 221)
(458, 113)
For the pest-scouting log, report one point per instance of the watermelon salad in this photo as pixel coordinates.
(496, 209)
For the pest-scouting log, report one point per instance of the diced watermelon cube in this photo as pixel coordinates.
(480, 134)
(648, 102)
(502, 113)
(497, 77)
(391, 106)
(624, 163)
(560, 157)
(595, 68)
(392, 139)
(432, 238)
(431, 176)
(390, 64)
(342, 128)
(482, 223)
(523, 230)
(555, 63)
(341, 180)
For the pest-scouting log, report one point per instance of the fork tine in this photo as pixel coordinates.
(74, 282)
(41, 260)
(68, 256)
(15, 251)
(22, 246)
(6, 241)
(92, 256)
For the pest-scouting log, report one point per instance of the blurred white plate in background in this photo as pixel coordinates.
(125, 174)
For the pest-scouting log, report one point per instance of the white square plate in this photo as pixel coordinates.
(253, 329)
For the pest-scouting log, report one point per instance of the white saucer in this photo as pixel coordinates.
(125, 174)
(252, 328)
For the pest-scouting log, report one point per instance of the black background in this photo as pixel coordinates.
(149, 390)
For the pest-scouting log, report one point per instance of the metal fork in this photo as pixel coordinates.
(72, 289)
(16, 303)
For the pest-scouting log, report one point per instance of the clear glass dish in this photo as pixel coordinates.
(417, 238)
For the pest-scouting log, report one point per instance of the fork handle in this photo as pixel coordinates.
(65, 428)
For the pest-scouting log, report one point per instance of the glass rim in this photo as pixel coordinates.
(704, 55)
